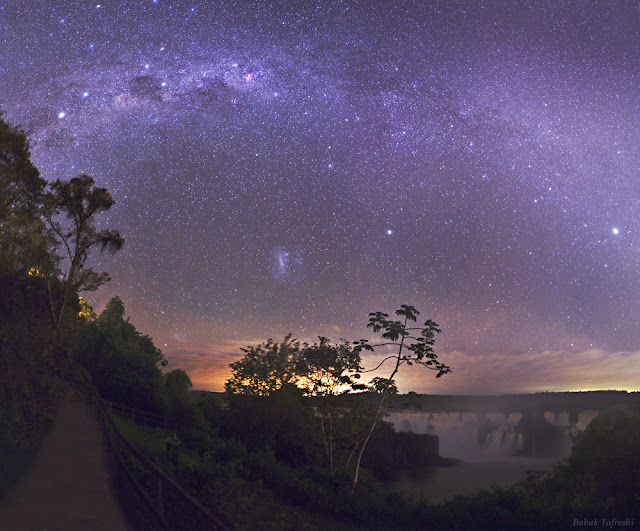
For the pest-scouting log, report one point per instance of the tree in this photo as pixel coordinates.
(285, 372)
(177, 385)
(266, 367)
(380, 385)
(327, 370)
(24, 243)
(70, 209)
(332, 370)
(411, 348)
(125, 365)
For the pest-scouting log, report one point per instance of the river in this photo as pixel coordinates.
(436, 484)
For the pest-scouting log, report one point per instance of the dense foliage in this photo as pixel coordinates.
(124, 364)
(268, 483)
(47, 232)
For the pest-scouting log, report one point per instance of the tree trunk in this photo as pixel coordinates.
(377, 417)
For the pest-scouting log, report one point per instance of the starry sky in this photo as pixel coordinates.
(292, 166)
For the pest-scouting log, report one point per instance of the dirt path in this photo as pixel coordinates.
(68, 486)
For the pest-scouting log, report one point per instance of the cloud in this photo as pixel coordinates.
(532, 372)
(493, 373)
(208, 366)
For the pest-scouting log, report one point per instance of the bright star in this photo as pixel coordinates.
(85, 94)
(615, 230)
(389, 232)
(62, 114)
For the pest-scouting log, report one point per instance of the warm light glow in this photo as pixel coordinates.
(86, 311)
(35, 272)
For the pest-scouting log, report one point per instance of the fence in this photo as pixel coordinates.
(137, 415)
(162, 503)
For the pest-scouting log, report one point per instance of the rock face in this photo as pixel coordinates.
(391, 451)
(414, 449)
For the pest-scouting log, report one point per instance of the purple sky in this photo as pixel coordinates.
(292, 166)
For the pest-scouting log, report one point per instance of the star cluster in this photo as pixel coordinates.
(291, 166)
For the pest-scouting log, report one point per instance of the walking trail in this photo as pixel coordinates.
(69, 485)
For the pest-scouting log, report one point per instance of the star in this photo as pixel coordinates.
(213, 136)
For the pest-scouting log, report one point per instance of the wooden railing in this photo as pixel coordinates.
(166, 505)
(137, 415)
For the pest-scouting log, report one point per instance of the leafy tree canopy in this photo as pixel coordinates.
(125, 365)
(266, 367)
(317, 369)
(24, 242)
(70, 209)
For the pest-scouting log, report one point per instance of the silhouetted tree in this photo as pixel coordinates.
(411, 349)
(177, 385)
(380, 385)
(70, 210)
(266, 367)
(24, 243)
(321, 369)
(332, 370)
(125, 365)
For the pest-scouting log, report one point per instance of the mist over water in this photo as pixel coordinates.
(481, 436)
(493, 448)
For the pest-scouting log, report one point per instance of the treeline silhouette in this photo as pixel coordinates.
(508, 403)
(259, 464)
(50, 339)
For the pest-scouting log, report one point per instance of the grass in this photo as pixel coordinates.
(150, 440)
(249, 504)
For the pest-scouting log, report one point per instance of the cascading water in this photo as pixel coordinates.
(487, 435)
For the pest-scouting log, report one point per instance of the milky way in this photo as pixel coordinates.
(290, 167)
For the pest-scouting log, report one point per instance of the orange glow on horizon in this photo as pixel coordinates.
(491, 374)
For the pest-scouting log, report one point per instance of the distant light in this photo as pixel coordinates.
(163, 84)
(98, 6)
(615, 230)
(62, 114)
(389, 232)
(146, 67)
(85, 94)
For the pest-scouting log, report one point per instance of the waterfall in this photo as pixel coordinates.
(459, 431)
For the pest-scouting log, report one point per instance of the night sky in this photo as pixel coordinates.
(292, 166)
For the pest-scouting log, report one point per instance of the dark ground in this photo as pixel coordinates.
(69, 484)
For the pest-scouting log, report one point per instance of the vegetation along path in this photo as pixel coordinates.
(68, 486)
